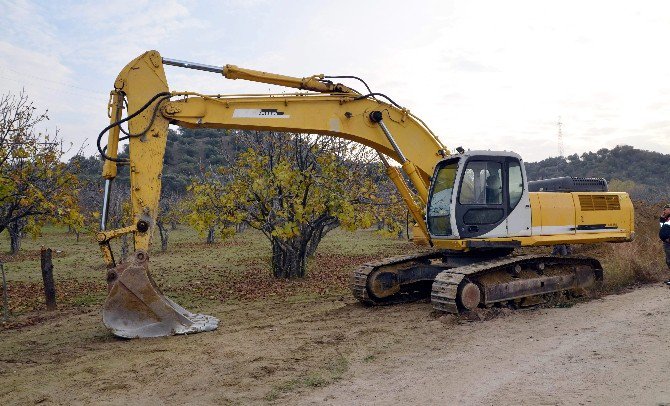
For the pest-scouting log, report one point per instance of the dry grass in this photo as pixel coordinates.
(640, 261)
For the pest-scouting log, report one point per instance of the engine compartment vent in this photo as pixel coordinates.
(599, 202)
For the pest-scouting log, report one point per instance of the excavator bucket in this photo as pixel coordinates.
(136, 308)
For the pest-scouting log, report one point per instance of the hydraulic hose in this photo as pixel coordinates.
(365, 96)
(101, 150)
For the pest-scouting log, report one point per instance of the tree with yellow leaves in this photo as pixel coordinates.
(36, 186)
(294, 188)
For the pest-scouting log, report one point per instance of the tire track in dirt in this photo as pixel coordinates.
(614, 350)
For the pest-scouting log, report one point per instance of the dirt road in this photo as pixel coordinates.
(614, 350)
(610, 351)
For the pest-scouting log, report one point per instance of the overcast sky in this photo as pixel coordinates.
(481, 74)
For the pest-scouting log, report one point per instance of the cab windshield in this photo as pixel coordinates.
(439, 204)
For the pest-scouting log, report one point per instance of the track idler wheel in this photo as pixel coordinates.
(136, 308)
(470, 295)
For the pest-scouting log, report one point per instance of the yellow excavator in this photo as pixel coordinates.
(474, 208)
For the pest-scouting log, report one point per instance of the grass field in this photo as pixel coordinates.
(190, 271)
(200, 275)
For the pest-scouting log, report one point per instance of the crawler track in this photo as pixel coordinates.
(361, 277)
(481, 284)
(510, 278)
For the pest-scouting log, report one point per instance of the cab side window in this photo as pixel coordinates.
(439, 205)
(515, 184)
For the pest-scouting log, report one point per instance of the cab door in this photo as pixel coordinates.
(518, 200)
(481, 204)
(493, 199)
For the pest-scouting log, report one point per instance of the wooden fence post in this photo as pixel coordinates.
(5, 300)
(48, 278)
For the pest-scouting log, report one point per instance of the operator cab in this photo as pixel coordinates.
(479, 194)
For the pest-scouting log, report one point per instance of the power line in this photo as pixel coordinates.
(53, 89)
(23, 74)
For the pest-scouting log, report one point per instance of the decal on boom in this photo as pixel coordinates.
(259, 113)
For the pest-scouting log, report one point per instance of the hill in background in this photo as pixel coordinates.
(643, 174)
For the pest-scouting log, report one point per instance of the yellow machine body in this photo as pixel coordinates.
(568, 218)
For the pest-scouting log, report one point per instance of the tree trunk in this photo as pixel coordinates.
(210, 236)
(48, 278)
(313, 242)
(164, 233)
(319, 233)
(287, 261)
(15, 234)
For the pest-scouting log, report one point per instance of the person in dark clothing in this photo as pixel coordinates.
(664, 235)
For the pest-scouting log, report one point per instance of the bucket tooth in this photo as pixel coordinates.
(136, 308)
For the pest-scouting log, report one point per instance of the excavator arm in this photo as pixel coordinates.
(135, 306)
